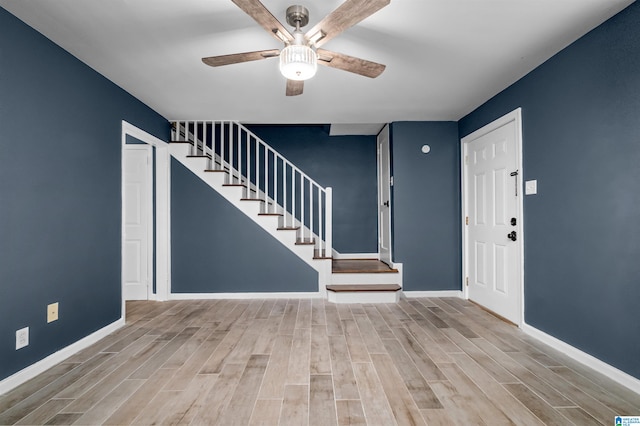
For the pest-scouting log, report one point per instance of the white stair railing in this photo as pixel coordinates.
(266, 175)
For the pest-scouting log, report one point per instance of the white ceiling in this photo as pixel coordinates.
(444, 57)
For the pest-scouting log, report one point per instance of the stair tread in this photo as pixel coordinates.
(269, 214)
(319, 254)
(189, 142)
(360, 266)
(362, 287)
(251, 199)
(216, 171)
(305, 241)
(235, 184)
(288, 228)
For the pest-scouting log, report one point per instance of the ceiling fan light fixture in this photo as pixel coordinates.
(298, 62)
(299, 58)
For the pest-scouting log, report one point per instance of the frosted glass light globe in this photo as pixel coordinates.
(298, 62)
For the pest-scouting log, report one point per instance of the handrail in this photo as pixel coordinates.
(252, 162)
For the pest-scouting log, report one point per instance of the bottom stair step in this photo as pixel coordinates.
(363, 293)
(363, 287)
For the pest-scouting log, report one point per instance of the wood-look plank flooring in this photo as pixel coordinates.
(309, 362)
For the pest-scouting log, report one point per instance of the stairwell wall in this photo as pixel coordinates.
(60, 193)
(581, 121)
(217, 249)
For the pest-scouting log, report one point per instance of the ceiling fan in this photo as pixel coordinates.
(302, 52)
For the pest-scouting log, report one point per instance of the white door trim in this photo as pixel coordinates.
(381, 182)
(515, 116)
(163, 211)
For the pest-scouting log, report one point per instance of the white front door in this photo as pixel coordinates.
(384, 197)
(137, 222)
(492, 203)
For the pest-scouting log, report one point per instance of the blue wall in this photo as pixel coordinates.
(345, 163)
(426, 204)
(581, 118)
(215, 248)
(60, 196)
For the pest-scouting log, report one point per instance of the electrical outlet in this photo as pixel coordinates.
(22, 338)
(52, 312)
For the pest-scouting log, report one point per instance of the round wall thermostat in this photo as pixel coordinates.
(426, 149)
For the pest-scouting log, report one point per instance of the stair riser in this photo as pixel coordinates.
(180, 150)
(363, 297)
(214, 179)
(250, 207)
(233, 193)
(390, 278)
(289, 237)
(305, 252)
(200, 163)
(270, 221)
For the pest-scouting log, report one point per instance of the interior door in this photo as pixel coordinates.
(493, 244)
(138, 221)
(384, 197)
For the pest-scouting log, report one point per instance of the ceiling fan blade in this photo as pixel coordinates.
(346, 15)
(294, 87)
(350, 63)
(262, 16)
(236, 58)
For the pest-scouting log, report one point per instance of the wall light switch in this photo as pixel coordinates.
(531, 187)
(52, 312)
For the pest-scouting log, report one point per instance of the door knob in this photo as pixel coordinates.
(512, 236)
(386, 203)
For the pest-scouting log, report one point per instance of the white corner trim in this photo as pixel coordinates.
(44, 364)
(265, 295)
(590, 361)
(435, 293)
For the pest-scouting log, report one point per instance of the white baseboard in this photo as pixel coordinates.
(602, 367)
(283, 295)
(435, 293)
(44, 364)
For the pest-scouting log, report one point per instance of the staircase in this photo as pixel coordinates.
(284, 201)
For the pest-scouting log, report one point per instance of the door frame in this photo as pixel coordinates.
(148, 194)
(162, 221)
(516, 116)
(387, 129)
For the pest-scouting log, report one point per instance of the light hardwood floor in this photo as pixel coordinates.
(299, 362)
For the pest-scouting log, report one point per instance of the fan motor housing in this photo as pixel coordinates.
(297, 16)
